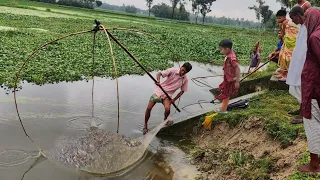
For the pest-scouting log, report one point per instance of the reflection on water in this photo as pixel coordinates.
(54, 111)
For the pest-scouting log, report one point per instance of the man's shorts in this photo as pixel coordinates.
(156, 99)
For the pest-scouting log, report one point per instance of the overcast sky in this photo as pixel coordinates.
(228, 8)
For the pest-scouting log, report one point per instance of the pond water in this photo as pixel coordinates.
(54, 111)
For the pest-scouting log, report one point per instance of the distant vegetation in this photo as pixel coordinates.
(163, 10)
(76, 3)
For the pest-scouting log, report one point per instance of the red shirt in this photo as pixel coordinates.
(227, 87)
(230, 67)
(310, 77)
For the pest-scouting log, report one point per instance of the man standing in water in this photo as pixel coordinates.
(175, 78)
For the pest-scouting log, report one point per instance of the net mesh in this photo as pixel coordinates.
(82, 143)
(100, 152)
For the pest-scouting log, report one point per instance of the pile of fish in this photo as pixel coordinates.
(97, 151)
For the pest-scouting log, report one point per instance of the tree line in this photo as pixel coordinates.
(264, 15)
(267, 17)
(177, 10)
(90, 4)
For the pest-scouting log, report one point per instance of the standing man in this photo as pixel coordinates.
(310, 84)
(298, 59)
(175, 78)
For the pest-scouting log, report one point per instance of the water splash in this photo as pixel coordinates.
(83, 122)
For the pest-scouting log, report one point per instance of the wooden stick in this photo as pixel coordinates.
(116, 74)
(254, 71)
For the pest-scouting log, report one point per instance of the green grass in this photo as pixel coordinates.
(70, 59)
(247, 167)
(232, 160)
(272, 107)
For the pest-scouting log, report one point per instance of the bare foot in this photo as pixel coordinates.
(297, 120)
(279, 76)
(308, 168)
(169, 123)
(145, 131)
(296, 112)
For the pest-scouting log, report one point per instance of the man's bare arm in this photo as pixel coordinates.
(158, 78)
(178, 95)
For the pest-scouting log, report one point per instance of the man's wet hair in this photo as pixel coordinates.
(188, 66)
(226, 43)
(296, 10)
(281, 12)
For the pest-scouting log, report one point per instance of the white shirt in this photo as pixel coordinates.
(298, 58)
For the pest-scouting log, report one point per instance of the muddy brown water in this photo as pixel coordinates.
(54, 111)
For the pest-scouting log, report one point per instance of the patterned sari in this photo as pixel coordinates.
(289, 42)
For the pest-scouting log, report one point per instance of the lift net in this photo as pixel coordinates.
(90, 148)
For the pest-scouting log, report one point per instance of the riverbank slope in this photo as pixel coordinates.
(255, 143)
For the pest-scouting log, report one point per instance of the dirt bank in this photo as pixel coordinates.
(256, 143)
(244, 152)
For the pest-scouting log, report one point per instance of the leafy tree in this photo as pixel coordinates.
(174, 6)
(131, 9)
(205, 7)
(161, 10)
(195, 9)
(266, 14)
(263, 13)
(183, 13)
(287, 3)
(272, 23)
(164, 11)
(98, 3)
(149, 4)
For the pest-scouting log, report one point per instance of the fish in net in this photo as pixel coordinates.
(100, 152)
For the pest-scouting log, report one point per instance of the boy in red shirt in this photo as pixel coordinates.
(231, 77)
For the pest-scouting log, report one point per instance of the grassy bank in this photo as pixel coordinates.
(25, 25)
(255, 143)
(273, 108)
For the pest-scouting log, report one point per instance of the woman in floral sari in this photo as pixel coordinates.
(289, 42)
